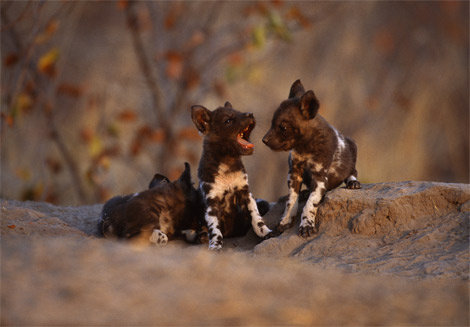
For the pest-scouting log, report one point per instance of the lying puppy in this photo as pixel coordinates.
(230, 207)
(320, 157)
(163, 212)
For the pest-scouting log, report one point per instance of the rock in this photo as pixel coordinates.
(387, 220)
(388, 254)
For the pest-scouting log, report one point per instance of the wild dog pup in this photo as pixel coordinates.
(230, 207)
(320, 157)
(164, 211)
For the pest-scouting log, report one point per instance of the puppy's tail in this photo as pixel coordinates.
(263, 206)
(185, 178)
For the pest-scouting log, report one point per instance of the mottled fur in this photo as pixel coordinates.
(230, 207)
(320, 157)
(164, 211)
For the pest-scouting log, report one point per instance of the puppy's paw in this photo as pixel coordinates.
(215, 243)
(307, 231)
(215, 247)
(353, 185)
(158, 237)
(280, 228)
(272, 234)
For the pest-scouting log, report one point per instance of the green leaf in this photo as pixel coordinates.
(278, 26)
(259, 36)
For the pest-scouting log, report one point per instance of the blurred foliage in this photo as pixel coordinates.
(177, 52)
(95, 95)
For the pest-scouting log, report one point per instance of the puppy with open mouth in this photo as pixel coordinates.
(230, 207)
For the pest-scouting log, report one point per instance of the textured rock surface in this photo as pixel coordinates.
(416, 229)
(394, 253)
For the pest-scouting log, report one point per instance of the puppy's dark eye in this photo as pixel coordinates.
(228, 121)
(282, 128)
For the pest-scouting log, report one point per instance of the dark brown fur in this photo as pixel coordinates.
(230, 207)
(320, 156)
(170, 208)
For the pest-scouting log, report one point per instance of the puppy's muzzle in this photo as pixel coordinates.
(266, 139)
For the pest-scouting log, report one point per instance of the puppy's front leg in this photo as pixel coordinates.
(294, 182)
(213, 211)
(317, 191)
(257, 222)
(215, 235)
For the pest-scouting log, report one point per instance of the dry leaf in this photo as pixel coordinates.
(87, 134)
(189, 133)
(23, 103)
(127, 115)
(174, 66)
(7, 118)
(11, 59)
(46, 64)
(173, 15)
(71, 90)
(122, 4)
(54, 165)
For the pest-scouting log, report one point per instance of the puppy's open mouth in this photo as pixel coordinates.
(244, 136)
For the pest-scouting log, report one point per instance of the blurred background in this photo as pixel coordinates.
(96, 96)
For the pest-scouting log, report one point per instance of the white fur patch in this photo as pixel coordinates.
(212, 223)
(340, 138)
(336, 163)
(310, 208)
(291, 208)
(158, 237)
(262, 230)
(230, 181)
(226, 181)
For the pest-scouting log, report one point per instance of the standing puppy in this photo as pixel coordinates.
(164, 211)
(320, 157)
(230, 207)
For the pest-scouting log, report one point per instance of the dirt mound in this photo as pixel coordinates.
(394, 253)
(416, 229)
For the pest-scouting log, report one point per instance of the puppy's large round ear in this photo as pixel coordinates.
(309, 105)
(296, 90)
(201, 117)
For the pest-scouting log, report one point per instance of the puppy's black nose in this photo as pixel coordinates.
(265, 140)
(249, 114)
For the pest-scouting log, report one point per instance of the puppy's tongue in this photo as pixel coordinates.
(244, 143)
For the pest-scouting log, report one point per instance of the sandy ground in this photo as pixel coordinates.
(389, 254)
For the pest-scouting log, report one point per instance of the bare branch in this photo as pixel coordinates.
(67, 156)
(145, 67)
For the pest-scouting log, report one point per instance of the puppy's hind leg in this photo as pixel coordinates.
(158, 237)
(352, 182)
